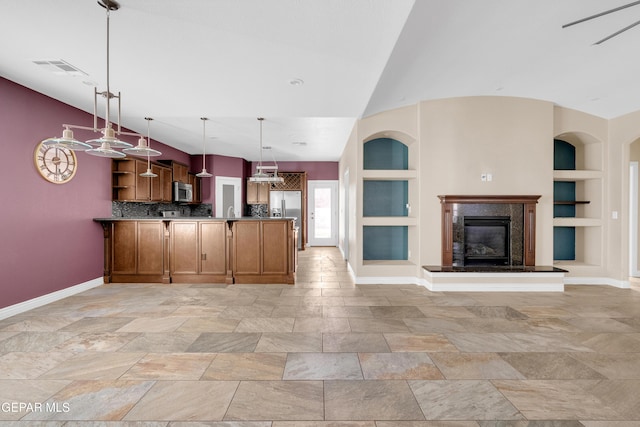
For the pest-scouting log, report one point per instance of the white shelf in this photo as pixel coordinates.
(577, 222)
(390, 221)
(576, 175)
(389, 174)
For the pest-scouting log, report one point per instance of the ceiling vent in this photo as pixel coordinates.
(61, 67)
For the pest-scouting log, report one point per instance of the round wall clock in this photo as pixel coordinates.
(55, 164)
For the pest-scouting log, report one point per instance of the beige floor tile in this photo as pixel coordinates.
(366, 400)
(474, 366)
(321, 324)
(354, 343)
(246, 366)
(169, 366)
(207, 401)
(398, 366)
(409, 342)
(290, 342)
(322, 366)
(277, 400)
(463, 399)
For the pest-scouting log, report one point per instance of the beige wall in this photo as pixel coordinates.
(453, 141)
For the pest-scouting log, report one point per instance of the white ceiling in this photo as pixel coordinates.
(233, 60)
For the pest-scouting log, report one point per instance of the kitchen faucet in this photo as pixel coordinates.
(230, 212)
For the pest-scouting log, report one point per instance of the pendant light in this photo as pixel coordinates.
(67, 141)
(204, 173)
(260, 175)
(106, 144)
(143, 148)
(148, 173)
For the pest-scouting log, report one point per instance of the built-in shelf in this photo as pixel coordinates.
(576, 222)
(389, 174)
(576, 175)
(390, 220)
(571, 202)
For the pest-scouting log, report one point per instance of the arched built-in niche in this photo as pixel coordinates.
(389, 197)
(578, 200)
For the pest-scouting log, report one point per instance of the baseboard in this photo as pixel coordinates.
(21, 307)
(391, 280)
(623, 284)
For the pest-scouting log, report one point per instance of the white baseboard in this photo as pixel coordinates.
(623, 284)
(21, 307)
(388, 280)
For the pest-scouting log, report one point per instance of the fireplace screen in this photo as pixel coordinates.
(486, 240)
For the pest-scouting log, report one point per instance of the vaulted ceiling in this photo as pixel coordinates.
(312, 68)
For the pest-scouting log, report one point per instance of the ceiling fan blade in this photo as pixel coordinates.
(597, 15)
(617, 32)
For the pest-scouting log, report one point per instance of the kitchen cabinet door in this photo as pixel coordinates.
(247, 246)
(274, 235)
(150, 236)
(123, 247)
(213, 248)
(184, 248)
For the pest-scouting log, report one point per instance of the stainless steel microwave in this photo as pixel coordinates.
(182, 193)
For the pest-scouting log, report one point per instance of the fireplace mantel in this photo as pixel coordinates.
(529, 232)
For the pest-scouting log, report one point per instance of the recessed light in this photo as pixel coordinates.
(301, 143)
(296, 82)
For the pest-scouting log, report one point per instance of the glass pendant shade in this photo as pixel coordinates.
(109, 137)
(105, 150)
(67, 141)
(148, 174)
(204, 173)
(142, 149)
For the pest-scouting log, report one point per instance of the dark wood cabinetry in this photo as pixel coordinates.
(134, 251)
(262, 251)
(199, 250)
(257, 193)
(129, 186)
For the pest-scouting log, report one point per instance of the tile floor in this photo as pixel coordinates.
(323, 353)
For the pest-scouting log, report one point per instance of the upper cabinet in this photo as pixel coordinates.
(257, 193)
(129, 186)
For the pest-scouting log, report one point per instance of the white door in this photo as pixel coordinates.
(322, 213)
(228, 200)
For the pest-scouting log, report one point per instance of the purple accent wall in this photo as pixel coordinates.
(219, 166)
(49, 241)
(315, 170)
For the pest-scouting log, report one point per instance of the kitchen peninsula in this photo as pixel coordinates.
(199, 250)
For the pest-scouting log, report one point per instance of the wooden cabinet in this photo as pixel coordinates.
(198, 252)
(263, 251)
(180, 172)
(196, 183)
(135, 252)
(129, 186)
(257, 193)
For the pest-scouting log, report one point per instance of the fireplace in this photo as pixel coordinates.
(487, 240)
(488, 230)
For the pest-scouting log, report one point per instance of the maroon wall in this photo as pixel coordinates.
(49, 241)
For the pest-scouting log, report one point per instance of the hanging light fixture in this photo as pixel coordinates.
(204, 173)
(148, 173)
(143, 148)
(106, 144)
(261, 175)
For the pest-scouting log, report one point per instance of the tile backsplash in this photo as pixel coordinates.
(135, 209)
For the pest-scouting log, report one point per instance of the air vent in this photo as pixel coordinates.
(299, 143)
(61, 67)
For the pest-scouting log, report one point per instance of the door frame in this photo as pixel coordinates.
(237, 194)
(311, 186)
(633, 219)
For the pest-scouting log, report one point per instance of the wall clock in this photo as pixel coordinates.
(55, 164)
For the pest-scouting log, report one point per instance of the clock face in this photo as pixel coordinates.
(55, 164)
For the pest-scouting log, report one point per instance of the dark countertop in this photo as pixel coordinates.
(494, 269)
(190, 218)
